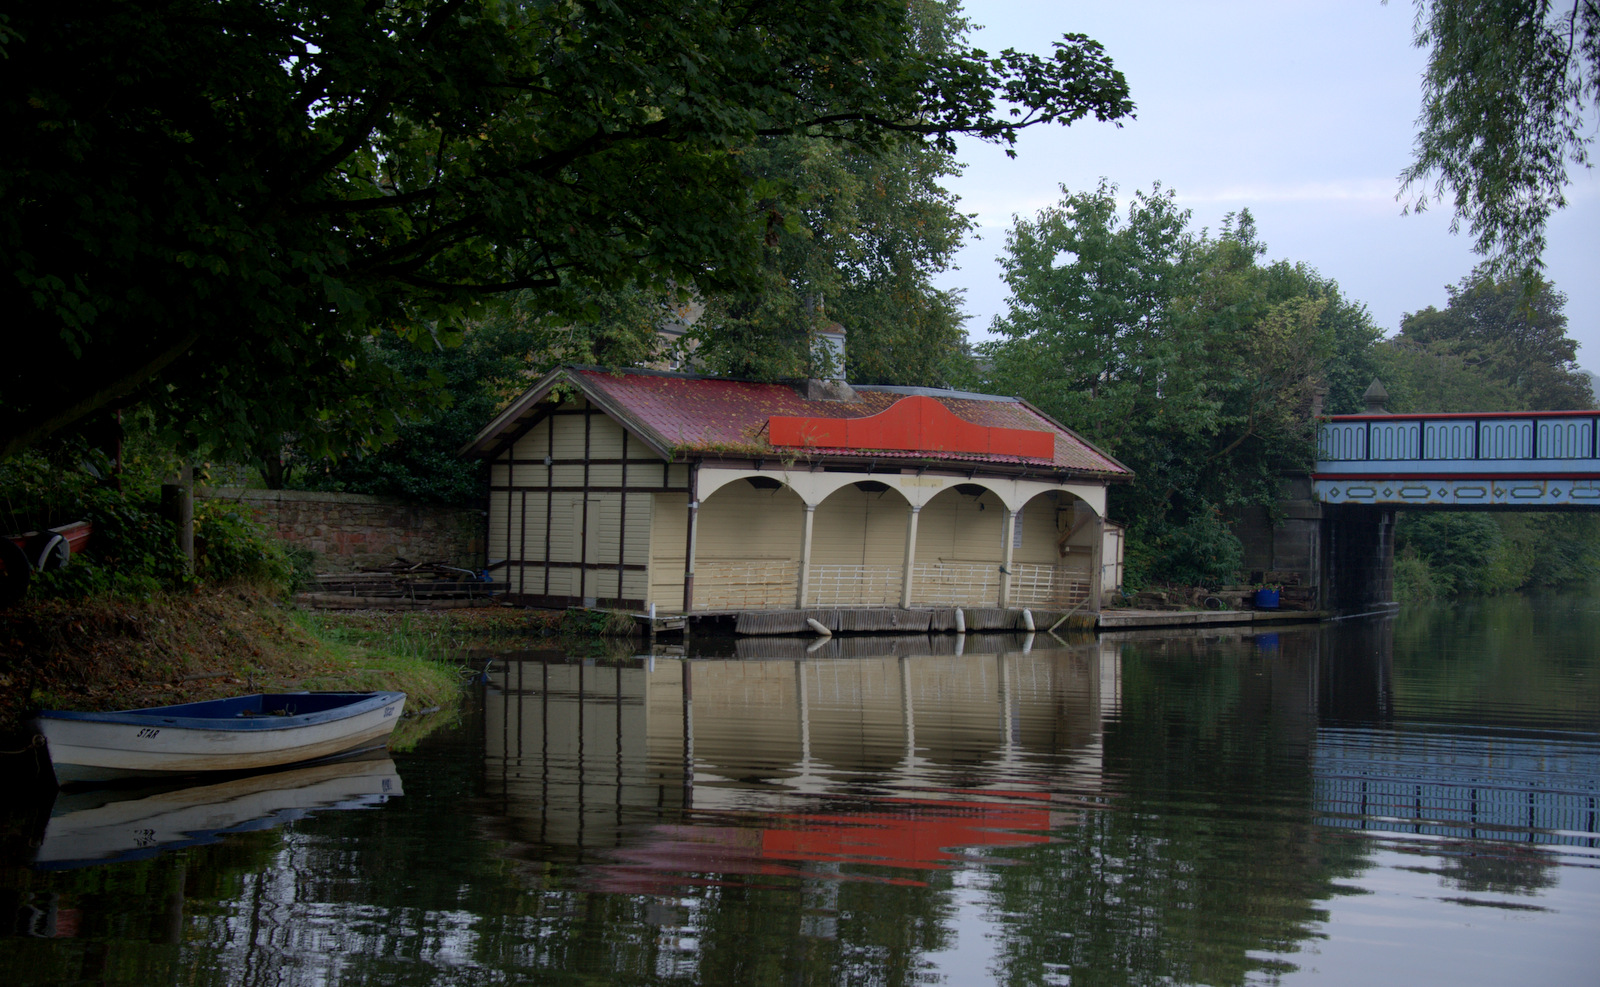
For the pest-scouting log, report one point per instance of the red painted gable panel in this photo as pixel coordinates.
(915, 424)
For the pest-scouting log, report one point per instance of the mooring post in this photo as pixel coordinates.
(177, 506)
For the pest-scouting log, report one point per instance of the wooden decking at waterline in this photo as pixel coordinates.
(889, 620)
(1129, 619)
(867, 620)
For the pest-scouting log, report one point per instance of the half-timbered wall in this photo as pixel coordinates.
(571, 506)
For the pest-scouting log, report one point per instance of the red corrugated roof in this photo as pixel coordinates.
(711, 415)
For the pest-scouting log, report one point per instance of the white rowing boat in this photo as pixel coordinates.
(244, 733)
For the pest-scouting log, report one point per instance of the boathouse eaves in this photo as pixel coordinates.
(684, 416)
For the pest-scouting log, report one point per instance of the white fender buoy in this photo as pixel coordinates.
(961, 621)
(1027, 621)
(818, 626)
(55, 554)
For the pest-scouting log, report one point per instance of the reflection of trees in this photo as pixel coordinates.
(130, 923)
(1210, 858)
(1477, 655)
(1498, 869)
(821, 932)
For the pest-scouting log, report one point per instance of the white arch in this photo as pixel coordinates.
(815, 487)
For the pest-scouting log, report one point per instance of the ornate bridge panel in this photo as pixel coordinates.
(1510, 459)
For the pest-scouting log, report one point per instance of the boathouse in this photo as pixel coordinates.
(691, 494)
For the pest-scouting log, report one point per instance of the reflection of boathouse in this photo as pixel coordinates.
(577, 754)
(697, 494)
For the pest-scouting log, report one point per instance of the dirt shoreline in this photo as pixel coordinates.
(121, 653)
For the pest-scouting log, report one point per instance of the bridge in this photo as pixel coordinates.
(1334, 530)
(1509, 460)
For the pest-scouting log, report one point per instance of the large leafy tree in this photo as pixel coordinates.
(1180, 353)
(215, 205)
(1496, 346)
(870, 231)
(1504, 105)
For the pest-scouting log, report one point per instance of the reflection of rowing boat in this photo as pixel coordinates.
(245, 733)
(104, 825)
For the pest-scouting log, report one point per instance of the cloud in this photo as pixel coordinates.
(996, 207)
(1360, 190)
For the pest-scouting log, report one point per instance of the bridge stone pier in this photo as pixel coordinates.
(1335, 528)
(1336, 556)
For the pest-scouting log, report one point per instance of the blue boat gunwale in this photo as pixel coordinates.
(224, 714)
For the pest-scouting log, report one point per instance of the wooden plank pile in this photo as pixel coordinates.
(401, 583)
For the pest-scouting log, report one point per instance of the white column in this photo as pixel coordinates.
(911, 557)
(1005, 565)
(805, 556)
(689, 540)
(906, 714)
(1097, 563)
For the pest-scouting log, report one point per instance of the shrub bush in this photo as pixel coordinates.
(230, 547)
(1199, 552)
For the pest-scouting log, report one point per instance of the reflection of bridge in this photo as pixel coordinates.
(1529, 790)
(1336, 528)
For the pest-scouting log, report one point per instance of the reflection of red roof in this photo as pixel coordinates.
(687, 414)
(909, 834)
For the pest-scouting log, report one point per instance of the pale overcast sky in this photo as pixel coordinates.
(1302, 111)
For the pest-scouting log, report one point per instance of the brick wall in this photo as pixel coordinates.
(348, 531)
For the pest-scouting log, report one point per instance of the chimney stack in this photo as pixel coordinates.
(830, 350)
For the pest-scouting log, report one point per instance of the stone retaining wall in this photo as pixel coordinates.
(348, 531)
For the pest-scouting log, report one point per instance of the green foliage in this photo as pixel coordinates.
(1565, 548)
(1499, 345)
(597, 623)
(854, 235)
(1442, 554)
(492, 362)
(1413, 578)
(133, 551)
(1467, 553)
(230, 547)
(1201, 551)
(1181, 355)
(1504, 103)
(225, 210)
(873, 229)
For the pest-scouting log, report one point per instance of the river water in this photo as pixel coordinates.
(1376, 801)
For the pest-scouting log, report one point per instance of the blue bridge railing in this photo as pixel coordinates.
(1529, 458)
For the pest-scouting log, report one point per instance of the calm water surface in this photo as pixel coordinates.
(1374, 801)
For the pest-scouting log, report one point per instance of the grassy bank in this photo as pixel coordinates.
(117, 653)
